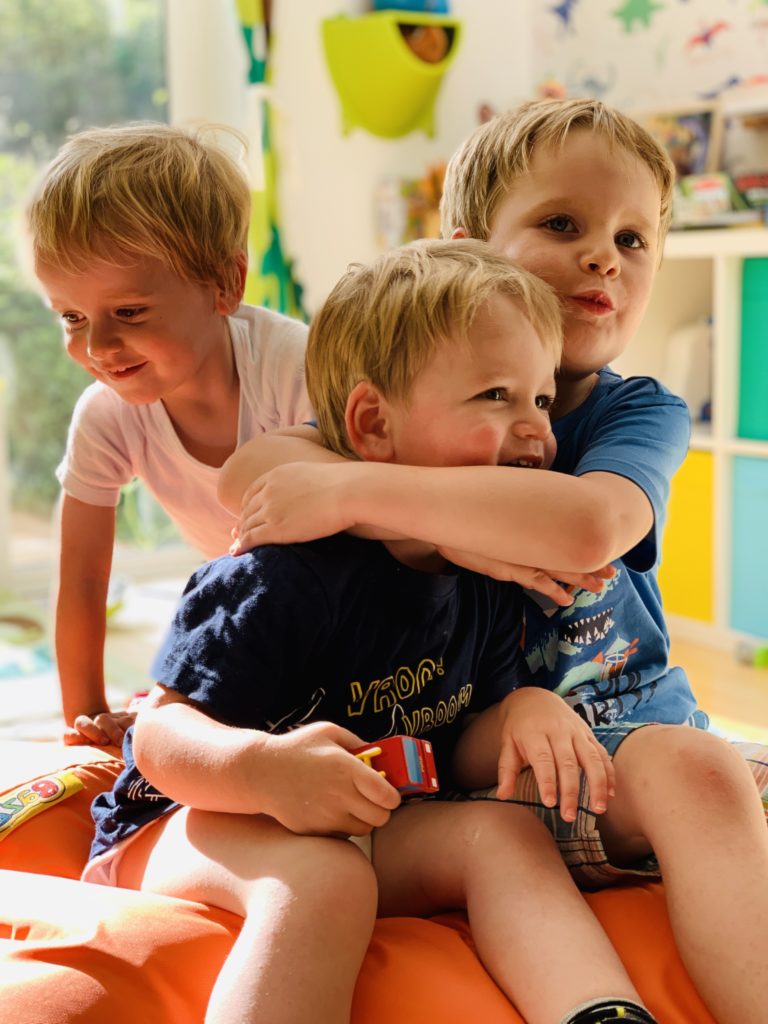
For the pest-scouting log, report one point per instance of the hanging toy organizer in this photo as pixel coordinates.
(383, 86)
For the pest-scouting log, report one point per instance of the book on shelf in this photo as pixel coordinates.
(713, 200)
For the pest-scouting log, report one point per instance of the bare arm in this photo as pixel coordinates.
(305, 778)
(259, 455)
(526, 517)
(87, 539)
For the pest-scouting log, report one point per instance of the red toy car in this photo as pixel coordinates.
(404, 761)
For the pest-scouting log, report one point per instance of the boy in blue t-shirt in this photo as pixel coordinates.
(239, 780)
(580, 195)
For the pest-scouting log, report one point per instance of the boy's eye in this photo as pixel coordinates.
(129, 312)
(72, 319)
(559, 222)
(630, 240)
(545, 402)
(494, 394)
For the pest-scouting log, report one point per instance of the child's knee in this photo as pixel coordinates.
(346, 874)
(333, 876)
(696, 764)
(713, 770)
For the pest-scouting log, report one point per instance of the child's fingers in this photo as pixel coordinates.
(251, 518)
(538, 754)
(250, 492)
(113, 726)
(607, 572)
(592, 582)
(511, 763)
(247, 536)
(73, 737)
(372, 786)
(544, 584)
(568, 777)
(542, 760)
(377, 793)
(253, 534)
(598, 767)
(533, 579)
(344, 737)
(583, 752)
(91, 731)
(352, 827)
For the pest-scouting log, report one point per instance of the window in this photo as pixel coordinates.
(65, 65)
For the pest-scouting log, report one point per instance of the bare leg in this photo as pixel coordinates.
(309, 906)
(527, 916)
(691, 798)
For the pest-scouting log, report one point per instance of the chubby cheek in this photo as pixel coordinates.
(547, 265)
(636, 307)
(475, 446)
(542, 260)
(76, 348)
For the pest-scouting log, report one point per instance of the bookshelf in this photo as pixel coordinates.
(714, 574)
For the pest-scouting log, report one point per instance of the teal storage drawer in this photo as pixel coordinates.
(753, 375)
(749, 547)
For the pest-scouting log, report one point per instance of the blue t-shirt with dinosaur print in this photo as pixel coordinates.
(607, 654)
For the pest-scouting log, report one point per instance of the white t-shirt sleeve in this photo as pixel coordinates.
(97, 461)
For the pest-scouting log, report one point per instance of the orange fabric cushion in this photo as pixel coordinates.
(57, 840)
(75, 952)
(91, 954)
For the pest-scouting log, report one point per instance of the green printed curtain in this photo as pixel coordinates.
(270, 280)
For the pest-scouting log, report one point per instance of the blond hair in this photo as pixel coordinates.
(383, 321)
(484, 168)
(142, 190)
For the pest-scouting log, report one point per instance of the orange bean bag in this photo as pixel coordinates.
(72, 952)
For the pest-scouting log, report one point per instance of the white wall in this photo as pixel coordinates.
(328, 181)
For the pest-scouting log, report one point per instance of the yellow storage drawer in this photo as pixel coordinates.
(686, 574)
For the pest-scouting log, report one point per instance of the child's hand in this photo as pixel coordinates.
(554, 585)
(289, 504)
(100, 728)
(539, 729)
(319, 788)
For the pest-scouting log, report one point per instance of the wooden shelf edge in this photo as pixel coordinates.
(707, 243)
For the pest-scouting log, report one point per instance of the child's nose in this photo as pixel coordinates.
(600, 257)
(102, 339)
(536, 425)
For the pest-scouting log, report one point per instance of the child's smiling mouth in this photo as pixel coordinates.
(122, 373)
(529, 462)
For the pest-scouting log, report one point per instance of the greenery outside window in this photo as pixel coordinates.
(65, 65)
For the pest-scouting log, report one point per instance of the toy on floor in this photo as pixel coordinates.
(407, 763)
(752, 654)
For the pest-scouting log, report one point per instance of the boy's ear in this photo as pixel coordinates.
(367, 419)
(229, 293)
(458, 233)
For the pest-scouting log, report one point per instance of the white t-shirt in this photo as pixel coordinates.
(110, 442)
